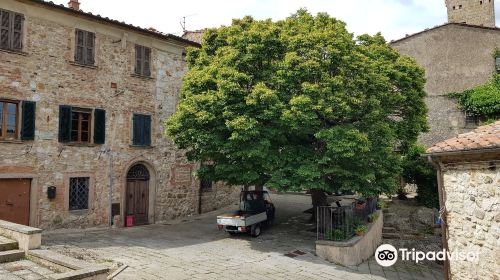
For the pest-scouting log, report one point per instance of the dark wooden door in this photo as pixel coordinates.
(15, 200)
(138, 200)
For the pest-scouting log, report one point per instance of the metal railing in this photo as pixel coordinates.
(339, 223)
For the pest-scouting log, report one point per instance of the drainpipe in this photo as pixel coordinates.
(110, 188)
(443, 215)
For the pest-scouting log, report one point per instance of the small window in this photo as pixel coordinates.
(80, 126)
(459, 6)
(79, 193)
(11, 30)
(497, 63)
(205, 185)
(480, 2)
(84, 47)
(141, 130)
(142, 61)
(9, 115)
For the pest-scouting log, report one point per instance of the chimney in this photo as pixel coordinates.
(74, 4)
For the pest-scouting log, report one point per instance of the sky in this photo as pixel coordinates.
(394, 18)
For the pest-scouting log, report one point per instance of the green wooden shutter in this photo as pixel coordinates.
(138, 60)
(5, 29)
(89, 48)
(17, 32)
(146, 69)
(146, 130)
(99, 126)
(136, 133)
(64, 124)
(79, 46)
(28, 121)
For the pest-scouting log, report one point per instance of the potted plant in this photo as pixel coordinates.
(361, 230)
(372, 217)
(381, 204)
(360, 204)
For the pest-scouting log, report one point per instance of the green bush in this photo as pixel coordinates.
(339, 234)
(416, 170)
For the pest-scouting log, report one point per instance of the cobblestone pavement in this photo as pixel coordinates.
(195, 249)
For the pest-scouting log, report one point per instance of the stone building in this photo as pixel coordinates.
(456, 56)
(83, 99)
(469, 189)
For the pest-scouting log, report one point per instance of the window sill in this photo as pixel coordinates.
(78, 212)
(14, 52)
(81, 144)
(141, 77)
(13, 141)
(74, 63)
(141, 147)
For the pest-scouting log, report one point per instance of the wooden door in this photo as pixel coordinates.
(138, 200)
(15, 200)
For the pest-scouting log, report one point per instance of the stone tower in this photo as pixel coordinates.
(474, 12)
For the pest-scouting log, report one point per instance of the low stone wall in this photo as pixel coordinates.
(27, 237)
(356, 250)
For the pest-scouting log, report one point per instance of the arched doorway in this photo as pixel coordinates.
(137, 194)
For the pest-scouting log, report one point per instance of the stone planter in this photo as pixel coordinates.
(356, 250)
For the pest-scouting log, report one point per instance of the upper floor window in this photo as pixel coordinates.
(141, 130)
(9, 120)
(81, 126)
(85, 47)
(142, 61)
(11, 30)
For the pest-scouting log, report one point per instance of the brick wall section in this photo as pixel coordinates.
(44, 74)
(473, 204)
(455, 58)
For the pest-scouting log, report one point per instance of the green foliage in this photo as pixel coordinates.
(483, 100)
(362, 229)
(373, 217)
(381, 204)
(417, 170)
(299, 104)
(339, 234)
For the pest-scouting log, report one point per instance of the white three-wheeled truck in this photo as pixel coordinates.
(256, 210)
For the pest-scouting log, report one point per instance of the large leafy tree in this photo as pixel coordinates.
(299, 104)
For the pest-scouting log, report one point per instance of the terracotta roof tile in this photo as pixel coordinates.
(484, 137)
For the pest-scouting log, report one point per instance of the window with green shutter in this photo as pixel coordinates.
(142, 61)
(75, 125)
(141, 130)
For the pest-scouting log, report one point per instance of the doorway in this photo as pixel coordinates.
(137, 194)
(15, 200)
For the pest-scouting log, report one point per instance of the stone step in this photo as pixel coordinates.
(7, 244)
(389, 235)
(388, 230)
(11, 256)
(388, 224)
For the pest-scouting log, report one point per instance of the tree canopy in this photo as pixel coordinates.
(299, 104)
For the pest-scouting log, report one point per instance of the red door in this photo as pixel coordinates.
(15, 200)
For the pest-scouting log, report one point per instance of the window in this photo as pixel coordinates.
(141, 130)
(79, 193)
(142, 61)
(80, 126)
(75, 125)
(8, 120)
(85, 47)
(11, 30)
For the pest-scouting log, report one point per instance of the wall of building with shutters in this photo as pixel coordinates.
(46, 75)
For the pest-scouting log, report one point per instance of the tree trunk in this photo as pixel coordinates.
(318, 198)
(259, 187)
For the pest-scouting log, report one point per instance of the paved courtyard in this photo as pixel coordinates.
(194, 249)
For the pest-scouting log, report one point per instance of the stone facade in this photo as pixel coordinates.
(474, 12)
(472, 200)
(455, 57)
(44, 72)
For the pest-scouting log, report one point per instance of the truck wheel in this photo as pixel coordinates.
(256, 230)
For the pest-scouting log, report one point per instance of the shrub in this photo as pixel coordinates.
(372, 217)
(339, 234)
(360, 230)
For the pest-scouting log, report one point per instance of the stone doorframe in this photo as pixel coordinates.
(152, 189)
(33, 193)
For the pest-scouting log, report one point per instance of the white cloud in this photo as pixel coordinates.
(394, 18)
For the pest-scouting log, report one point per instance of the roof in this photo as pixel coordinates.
(481, 139)
(443, 25)
(150, 32)
(195, 35)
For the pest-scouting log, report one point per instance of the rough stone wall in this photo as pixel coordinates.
(475, 12)
(472, 193)
(220, 195)
(44, 73)
(455, 58)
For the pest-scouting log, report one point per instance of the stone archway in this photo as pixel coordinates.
(137, 194)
